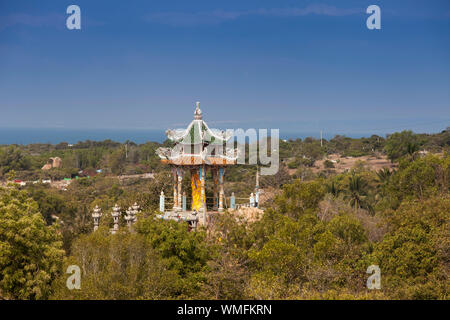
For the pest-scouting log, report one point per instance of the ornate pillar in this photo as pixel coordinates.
(202, 190)
(115, 214)
(203, 194)
(135, 210)
(161, 202)
(196, 204)
(175, 188)
(180, 182)
(96, 215)
(129, 216)
(215, 182)
(221, 193)
(232, 201)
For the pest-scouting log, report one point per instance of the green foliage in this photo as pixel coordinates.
(185, 252)
(349, 147)
(384, 175)
(49, 202)
(120, 266)
(328, 164)
(421, 178)
(300, 256)
(400, 144)
(30, 251)
(413, 256)
(12, 158)
(357, 192)
(315, 240)
(227, 272)
(300, 196)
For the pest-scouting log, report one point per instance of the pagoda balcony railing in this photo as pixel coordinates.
(228, 202)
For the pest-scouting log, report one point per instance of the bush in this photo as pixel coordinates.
(328, 164)
(30, 252)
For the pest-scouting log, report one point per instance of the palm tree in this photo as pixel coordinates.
(411, 149)
(333, 189)
(357, 193)
(384, 175)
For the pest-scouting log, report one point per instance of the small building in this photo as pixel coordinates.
(54, 162)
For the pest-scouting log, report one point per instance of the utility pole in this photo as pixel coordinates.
(321, 145)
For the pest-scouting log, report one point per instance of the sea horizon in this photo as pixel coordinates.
(24, 136)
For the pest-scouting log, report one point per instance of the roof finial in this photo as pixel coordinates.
(198, 111)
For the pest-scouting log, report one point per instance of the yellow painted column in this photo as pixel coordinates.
(196, 191)
(202, 182)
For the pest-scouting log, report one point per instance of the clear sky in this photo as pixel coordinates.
(295, 65)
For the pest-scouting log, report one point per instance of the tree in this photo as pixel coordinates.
(413, 256)
(333, 189)
(119, 266)
(384, 175)
(30, 251)
(356, 192)
(12, 158)
(300, 196)
(412, 148)
(421, 178)
(401, 143)
(186, 253)
(225, 278)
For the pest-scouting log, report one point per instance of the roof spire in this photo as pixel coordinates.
(198, 112)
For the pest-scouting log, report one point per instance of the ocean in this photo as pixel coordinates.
(139, 136)
(55, 136)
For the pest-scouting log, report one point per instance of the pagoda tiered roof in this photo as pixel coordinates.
(195, 145)
(198, 132)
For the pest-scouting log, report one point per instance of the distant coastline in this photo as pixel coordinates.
(139, 136)
(57, 135)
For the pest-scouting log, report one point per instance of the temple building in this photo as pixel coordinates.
(197, 149)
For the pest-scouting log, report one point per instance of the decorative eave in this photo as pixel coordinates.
(197, 161)
(171, 156)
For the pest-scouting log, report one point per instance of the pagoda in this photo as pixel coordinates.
(197, 149)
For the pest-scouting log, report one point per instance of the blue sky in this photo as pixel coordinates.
(301, 66)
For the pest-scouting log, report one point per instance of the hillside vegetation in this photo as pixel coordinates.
(321, 229)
